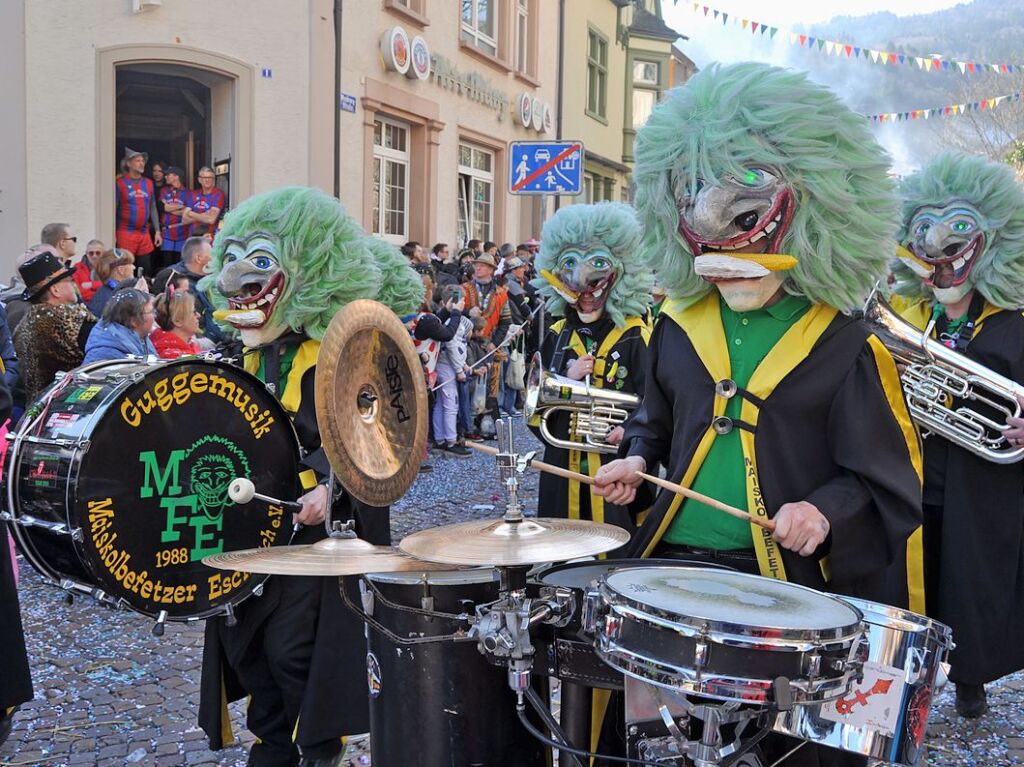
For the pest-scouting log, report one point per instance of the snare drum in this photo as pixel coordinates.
(884, 714)
(117, 482)
(726, 635)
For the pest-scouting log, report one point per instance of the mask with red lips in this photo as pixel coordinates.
(950, 238)
(587, 276)
(726, 222)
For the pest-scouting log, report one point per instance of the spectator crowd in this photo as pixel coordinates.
(477, 327)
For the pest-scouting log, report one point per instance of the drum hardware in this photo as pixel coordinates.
(57, 528)
(371, 402)
(593, 412)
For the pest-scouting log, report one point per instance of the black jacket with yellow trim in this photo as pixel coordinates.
(833, 432)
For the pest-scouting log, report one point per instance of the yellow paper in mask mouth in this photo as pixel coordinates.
(241, 317)
(560, 287)
(740, 266)
(917, 265)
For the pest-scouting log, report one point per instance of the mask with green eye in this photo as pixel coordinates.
(950, 238)
(586, 276)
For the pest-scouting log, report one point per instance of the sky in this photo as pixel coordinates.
(711, 41)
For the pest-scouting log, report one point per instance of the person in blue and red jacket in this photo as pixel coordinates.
(136, 210)
(175, 198)
(206, 205)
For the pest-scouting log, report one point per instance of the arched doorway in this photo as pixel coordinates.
(180, 105)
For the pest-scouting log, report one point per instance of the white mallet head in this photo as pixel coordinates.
(241, 490)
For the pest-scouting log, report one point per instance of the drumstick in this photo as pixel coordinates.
(558, 471)
(767, 524)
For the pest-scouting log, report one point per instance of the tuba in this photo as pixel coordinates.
(933, 376)
(593, 412)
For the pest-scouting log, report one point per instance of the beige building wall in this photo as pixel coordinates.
(440, 116)
(71, 49)
(270, 68)
(601, 136)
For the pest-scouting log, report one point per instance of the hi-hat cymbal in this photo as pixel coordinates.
(500, 543)
(331, 556)
(371, 402)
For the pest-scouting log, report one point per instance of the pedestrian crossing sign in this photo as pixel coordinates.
(546, 167)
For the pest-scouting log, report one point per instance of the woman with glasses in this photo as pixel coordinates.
(85, 270)
(124, 330)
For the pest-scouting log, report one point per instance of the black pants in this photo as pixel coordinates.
(273, 666)
(773, 747)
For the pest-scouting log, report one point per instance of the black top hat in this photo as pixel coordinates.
(40, 272)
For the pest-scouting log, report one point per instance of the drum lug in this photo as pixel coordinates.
(367, 598)
(257, 590)
(158, 627)
(6, 516)
(700, 655)
(77, 535)
(813, 669)
(592, 612)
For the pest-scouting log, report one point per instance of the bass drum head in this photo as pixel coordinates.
(152, 491)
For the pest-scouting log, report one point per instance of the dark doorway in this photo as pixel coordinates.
(179, 115)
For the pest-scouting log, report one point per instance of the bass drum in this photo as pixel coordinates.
(117, 482)
(438, 702)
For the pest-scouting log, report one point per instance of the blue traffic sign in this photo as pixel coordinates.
(545, 167)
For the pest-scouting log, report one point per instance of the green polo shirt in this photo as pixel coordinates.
(750, 336)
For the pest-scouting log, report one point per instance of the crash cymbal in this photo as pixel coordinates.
(371, 402)
(331, 556)
(499, 543)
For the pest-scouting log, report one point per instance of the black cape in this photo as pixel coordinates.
(562, 498)
(834, 431)
(15, 681)
(979, 543)
(336, 701)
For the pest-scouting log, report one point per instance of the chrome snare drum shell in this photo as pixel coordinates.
(884, 714)
(726, 635)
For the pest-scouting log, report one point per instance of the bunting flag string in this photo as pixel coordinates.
(929, 63)
(950, 110)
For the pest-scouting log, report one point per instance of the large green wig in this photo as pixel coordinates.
(613, 226)
(728, 118)
(994, 191)
(327, 258)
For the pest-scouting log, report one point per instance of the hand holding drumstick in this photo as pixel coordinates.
(799, 526)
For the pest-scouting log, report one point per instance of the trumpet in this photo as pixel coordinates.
(934, 375)
(593, 412)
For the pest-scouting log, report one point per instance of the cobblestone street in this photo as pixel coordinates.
(110, 693)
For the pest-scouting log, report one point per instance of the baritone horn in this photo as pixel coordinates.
(593, 412)
(933, 376)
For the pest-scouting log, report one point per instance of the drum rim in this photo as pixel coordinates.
(922, 623)
(666, 676)
(79, 454)
(780, 636)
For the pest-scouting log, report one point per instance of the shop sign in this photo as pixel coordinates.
(472, 85)
(394, 47)
(419, 67)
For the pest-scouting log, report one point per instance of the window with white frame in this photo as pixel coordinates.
(523, 36)
(391, 180)
(476, 193)
(480, 24)
(646, 79)
(597, 73)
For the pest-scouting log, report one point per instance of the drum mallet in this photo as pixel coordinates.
(242, 490)
(767, 524)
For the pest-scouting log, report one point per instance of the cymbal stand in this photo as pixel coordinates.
(336, 528)
(502, 628)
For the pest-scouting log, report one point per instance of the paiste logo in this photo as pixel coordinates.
(196, 515)
(396, 388)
